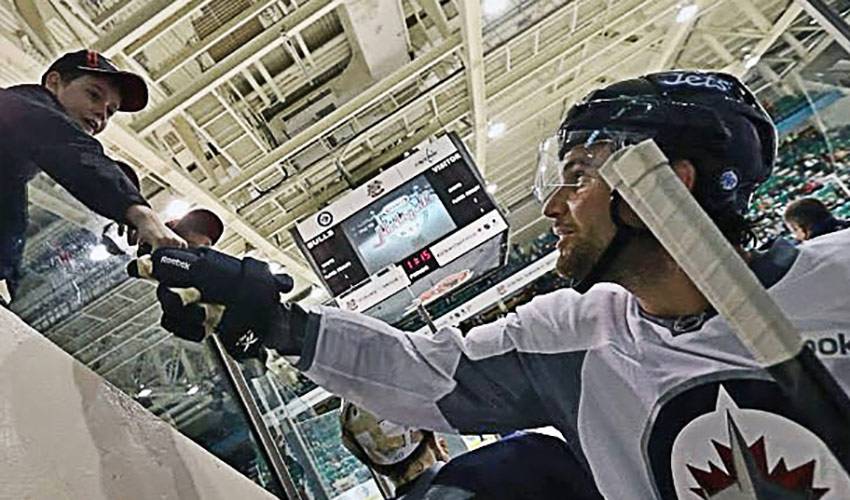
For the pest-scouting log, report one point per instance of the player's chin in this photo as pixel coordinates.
(575, 261)
(568, 267)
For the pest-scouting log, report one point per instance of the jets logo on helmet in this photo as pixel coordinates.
(698, 80)
(728, 180)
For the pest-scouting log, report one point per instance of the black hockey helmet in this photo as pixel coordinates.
(686, 111)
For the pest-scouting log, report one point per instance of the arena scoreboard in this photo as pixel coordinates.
(420, 228)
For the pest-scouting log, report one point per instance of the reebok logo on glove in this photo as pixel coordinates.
(174, 262)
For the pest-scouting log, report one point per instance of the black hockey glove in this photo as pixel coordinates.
(202, 290)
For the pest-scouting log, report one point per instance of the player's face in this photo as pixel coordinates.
(579, 211)
(89, 100)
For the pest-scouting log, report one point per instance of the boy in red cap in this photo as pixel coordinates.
(51, 127)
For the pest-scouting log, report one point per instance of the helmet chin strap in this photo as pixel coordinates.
(623, 235)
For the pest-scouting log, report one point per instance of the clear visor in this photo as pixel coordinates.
(559, 152)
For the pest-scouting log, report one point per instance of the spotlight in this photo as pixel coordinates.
(496, 129)
(98, 253)
(751, 61)
(176, 209)
(492, 8)
(686, 13)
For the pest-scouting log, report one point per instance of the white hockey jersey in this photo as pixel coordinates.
(655, 414)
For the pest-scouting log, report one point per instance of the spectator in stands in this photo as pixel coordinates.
(51, 127)
(523, 466)
(200, 227)
(809, 218)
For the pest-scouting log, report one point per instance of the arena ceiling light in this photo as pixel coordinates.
(493, 8)
(176, 209)
(492, 188)
(750, 61)
(98, 253)
(496, 129)
(686, 13)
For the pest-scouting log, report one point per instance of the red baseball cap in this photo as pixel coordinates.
(132, 87)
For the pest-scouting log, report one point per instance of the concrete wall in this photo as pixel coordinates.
(65, 433)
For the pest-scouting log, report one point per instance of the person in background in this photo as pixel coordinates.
(809, 218)
(51, 127)
(199, 227)
(525, 465)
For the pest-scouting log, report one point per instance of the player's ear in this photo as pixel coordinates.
(686, 171)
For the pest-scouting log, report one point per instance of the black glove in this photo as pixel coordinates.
(203, 290)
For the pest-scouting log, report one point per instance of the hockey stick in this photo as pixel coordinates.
(642, 176)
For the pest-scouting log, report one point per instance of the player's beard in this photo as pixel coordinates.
(578, 256)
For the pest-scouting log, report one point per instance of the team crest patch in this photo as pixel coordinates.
(728, 180)
(740, 439)
(375, 188)
(745, 472)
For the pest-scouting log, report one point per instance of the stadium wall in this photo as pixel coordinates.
(67, 433)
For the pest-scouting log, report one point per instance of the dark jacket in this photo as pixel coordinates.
(525, 466)
(37, 134)
(827, 226)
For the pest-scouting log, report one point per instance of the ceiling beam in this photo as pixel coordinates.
(624, 33)
(140, 22)
(831, 22)
(149, 36)
(231, 65)
(739, 68)
(676, 36)
(437, 15)
(341, 114)
(473, 56)
(175, 62)
(377, 91)
(718, 48)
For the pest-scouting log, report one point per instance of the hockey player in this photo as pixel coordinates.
(526, 465)
(649, 386)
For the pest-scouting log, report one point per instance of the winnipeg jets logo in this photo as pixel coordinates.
(737, 453)
(375, 188)
(247, 340)
(747, 476)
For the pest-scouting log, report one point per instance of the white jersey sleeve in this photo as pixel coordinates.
(501, 376)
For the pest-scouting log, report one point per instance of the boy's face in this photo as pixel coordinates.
(798, 231)
(90, 100)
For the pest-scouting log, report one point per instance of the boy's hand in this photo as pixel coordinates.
(151, 230)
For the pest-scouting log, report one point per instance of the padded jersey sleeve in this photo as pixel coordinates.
(445, 382)
(487, 381)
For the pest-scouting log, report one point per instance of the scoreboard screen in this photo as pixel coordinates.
(419, 229)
